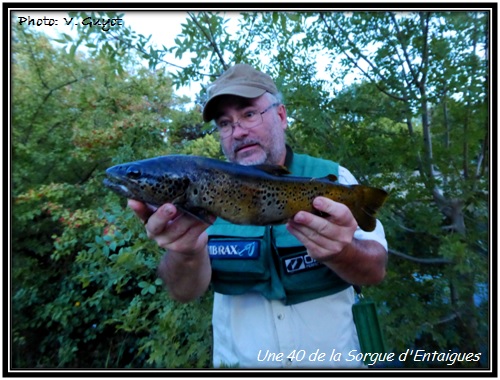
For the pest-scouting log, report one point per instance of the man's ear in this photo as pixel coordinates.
(282, 116)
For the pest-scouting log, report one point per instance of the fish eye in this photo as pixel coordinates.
(133, 172)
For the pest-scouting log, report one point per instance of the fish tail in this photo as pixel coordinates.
(367, 202)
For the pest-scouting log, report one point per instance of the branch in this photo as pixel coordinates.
(481, 163)
(87, 176)
(147, 54)
(446, 319)
(420, 260)
(210, 40)
(361, 55)
(425, 49)
(49, 94)
(404, 48)
(35, 60)
(44, 83)
(247, 41)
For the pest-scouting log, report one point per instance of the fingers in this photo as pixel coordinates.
(322, 244)
(171, 229)
(324, 236)
(338, 213)
(159, 220)
(142, 210)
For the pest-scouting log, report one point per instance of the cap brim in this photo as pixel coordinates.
(237, 90)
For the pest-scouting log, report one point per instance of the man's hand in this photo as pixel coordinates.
(171, 229)
(331, 241)
(324, 237)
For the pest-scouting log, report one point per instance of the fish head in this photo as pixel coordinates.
(151, 181)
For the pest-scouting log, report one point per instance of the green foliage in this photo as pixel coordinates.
(85, 293)
(108, 308)
(69, 113)
(414, 120)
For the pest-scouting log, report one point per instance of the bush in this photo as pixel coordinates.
(86, 294)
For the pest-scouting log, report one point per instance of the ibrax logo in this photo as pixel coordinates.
(231, 249)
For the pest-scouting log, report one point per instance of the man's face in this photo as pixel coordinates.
(264, 143)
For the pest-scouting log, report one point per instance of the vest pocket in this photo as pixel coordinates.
(305, 278)
(238, 259)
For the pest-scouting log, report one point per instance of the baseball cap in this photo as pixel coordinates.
(240, 80)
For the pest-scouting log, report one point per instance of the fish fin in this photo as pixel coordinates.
(197, 212)
(272, 169)
(331, 177)
(370, 199)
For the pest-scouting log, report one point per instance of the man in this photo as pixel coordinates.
(289, 300)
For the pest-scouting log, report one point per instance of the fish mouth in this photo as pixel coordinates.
(117, 186)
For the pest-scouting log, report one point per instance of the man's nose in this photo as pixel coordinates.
(238, 131)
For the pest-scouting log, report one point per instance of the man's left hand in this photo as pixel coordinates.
(324, 237)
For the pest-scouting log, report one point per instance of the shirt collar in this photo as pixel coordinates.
(289, 156)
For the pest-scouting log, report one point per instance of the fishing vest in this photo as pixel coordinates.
(268, 259)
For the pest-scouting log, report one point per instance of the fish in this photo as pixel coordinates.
(247, 195)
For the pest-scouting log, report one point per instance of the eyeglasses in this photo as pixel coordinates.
(249, 120)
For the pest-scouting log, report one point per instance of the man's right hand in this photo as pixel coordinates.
(171, 229)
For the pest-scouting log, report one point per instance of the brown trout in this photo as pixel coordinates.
(253, 195)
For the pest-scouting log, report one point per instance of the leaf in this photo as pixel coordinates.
(152, 289)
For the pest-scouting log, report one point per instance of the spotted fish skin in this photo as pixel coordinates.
(250, 195)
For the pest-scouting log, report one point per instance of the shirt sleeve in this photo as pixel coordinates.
(378, 234)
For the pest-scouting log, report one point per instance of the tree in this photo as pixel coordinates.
(433, 65)
(84, 286)
(414, 120)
